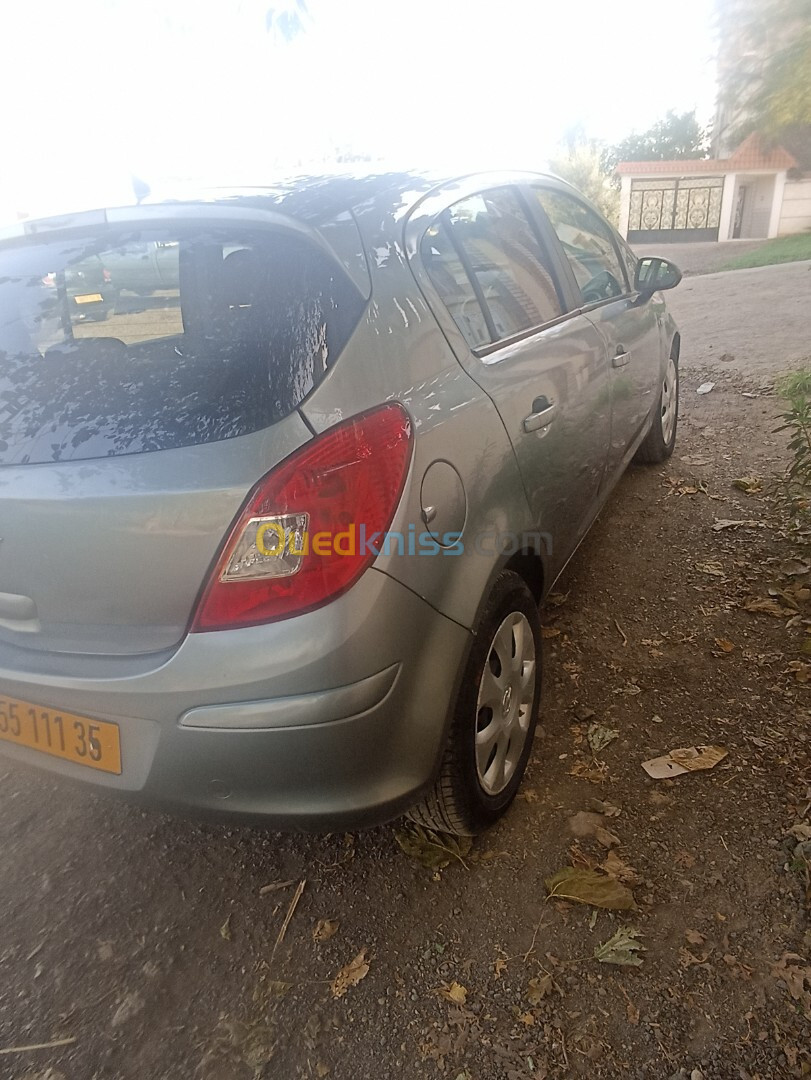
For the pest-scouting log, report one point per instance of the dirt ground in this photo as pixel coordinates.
(153, 943)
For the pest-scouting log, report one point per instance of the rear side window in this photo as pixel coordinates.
(128, 342)
(450, 279)
(588, 244)
(499, 267)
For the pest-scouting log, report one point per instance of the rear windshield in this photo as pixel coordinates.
(127, 342)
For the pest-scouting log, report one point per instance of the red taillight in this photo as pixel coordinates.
(299, 540)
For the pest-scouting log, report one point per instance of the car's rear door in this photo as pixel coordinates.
(630, 328)
(543, 365)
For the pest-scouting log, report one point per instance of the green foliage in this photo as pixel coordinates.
(678, 135)
(580, 164)
(796, 390)
(769, 82)
(781, 250)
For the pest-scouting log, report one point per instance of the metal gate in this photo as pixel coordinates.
(687, 208)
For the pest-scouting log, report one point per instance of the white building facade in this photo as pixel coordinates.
(757, 192)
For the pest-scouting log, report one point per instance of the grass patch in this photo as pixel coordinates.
(783, 249)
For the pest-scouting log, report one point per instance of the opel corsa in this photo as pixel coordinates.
(275, 531)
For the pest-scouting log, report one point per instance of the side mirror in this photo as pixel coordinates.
(653, 275)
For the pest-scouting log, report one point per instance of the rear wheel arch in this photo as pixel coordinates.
(460, 800)
(529, 565)
(530, 562)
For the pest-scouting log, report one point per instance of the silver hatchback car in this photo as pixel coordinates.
(274, 535)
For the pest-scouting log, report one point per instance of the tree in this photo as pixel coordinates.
(678, 135)
(579, 162)
(765, 83)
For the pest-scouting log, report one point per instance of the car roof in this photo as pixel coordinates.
(311, 197)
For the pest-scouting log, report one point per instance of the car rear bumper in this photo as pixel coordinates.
(335, 718)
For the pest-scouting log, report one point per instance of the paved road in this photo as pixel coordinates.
(700, 258)
(761, 316)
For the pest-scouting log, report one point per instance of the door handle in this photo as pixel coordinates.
(542, 415)
(621, 357)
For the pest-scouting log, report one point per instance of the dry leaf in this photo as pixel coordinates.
(433, 850)
(593, 771)
(324, 929)
(613, 865)
(767, 606)
(454, 992)
(734, 963)
(749, 484)
(630, 688)
(801, 671)
(582, 858)
(549, 631)
(713, 569)
(590, 887)
(694, 937)
(688, 959)
(499, 965)
(632, 1013)
(275, 886)
(720, 524)
(225, 929)
(724, 644)
(539, 988)
(621, 949)
(350, 975)
(607, 809)
(795, 977)
(527, 1018)
(600, 736)
(606, 838)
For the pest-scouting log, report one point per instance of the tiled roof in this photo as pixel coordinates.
(710, 166)
(753, 153)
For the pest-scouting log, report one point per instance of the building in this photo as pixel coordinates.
(760, 190)
(750, 189)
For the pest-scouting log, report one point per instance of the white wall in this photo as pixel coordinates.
(728, 197)
(625, 204)
(795, 215)
(757, 208)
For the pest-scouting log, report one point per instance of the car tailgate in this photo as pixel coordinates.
(107, 556)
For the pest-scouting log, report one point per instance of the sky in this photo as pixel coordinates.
(94, 91)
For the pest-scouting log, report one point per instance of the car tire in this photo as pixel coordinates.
(661, 439)
(494, 718)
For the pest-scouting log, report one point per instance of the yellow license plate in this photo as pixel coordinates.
(94, 743)
(89, 298)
